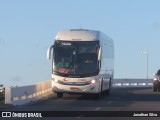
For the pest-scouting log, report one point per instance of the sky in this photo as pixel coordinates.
(28, 28)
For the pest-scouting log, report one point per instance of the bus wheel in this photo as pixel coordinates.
(107, 92)
(158, 88)
(154, 89)
(59, 95)
(97, 95)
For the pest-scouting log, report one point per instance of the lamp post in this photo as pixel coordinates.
(145, 52)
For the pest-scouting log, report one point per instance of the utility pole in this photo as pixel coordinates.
(145, 52)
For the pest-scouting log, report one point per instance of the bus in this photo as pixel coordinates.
(82, 62)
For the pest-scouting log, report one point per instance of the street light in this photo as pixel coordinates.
(145, 52)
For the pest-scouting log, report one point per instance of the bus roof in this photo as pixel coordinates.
(78, 35)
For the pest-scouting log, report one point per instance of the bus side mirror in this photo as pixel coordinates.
(49, 52)
(99, 53)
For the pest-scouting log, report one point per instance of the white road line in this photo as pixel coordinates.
(80, 116)
(97, 109)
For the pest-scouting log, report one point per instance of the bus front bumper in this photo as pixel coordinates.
(59, 88)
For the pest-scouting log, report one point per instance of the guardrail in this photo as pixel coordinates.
(132, 83)
(27, 94)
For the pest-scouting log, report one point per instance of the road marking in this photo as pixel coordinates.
(97, 109)
(80, 116)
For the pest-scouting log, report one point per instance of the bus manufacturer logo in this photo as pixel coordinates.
(67, 44)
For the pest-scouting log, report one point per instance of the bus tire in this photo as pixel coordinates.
(107, 92)
(97, 95)
(154, 88)
(59, 95)
(158, 88)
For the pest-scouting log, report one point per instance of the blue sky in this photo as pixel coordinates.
(28, 28)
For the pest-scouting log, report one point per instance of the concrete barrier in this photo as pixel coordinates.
(27, 94)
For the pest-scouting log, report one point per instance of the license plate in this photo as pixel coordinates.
(74, 88)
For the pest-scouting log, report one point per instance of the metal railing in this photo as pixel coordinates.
(132, 83)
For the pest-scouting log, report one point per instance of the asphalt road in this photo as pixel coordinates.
(120, 99)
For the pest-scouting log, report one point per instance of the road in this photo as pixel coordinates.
(120, 99)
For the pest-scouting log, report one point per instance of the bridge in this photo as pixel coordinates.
(126, 95)
(28, 94)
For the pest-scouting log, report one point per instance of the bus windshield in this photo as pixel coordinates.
(75, 59)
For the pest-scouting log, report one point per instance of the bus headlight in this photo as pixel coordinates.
(93, 81)
(55, 80)
(155, 78)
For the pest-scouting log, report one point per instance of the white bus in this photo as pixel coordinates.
(82, 62)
